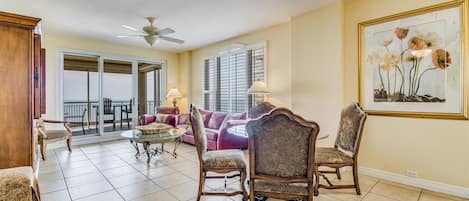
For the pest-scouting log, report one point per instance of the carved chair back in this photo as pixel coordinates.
(198, 129)
(260, 109)
(282, 146)
(352, 120)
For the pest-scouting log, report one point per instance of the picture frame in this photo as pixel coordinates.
(413, 64)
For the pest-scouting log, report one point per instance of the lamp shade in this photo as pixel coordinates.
(174, 93)
(258, 87)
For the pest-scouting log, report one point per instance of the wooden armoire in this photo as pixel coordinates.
(22, 88)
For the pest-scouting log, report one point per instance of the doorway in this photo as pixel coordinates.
(106, 93)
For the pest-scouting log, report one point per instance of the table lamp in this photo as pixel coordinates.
(174, 93)
(258, 88)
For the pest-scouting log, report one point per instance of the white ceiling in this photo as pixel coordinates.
(198, 22)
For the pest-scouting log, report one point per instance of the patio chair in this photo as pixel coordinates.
(127, 109)
(108, 110)
(81, 116)
(281, 155)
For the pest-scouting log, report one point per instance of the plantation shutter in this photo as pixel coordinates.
(238, 81)
(255, 69)
(210, 84)
(224, 83)
(228, 76)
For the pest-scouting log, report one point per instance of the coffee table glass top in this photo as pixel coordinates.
(135, 134)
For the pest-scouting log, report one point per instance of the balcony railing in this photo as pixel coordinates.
(84, 112)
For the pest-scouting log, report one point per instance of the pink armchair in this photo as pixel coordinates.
(229, 140)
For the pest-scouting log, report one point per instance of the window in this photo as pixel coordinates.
(227, 77)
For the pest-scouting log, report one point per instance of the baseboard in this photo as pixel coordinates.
(416, 182)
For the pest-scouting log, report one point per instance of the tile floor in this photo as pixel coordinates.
(110, 172)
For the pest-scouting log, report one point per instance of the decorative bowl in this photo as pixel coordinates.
(154, 128)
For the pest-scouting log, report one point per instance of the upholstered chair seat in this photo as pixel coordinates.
(19, 183)
(56, 134)
(330, 155)
(224, 159)
(290, 188)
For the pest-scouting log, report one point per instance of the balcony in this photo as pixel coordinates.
(82, 116)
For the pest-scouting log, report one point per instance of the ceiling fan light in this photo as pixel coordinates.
(151, 39)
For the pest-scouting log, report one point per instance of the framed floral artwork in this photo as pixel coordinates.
(413, 64)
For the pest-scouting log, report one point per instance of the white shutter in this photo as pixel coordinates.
(238, 81)
(256, 70)
(228, 76)
(209, 84)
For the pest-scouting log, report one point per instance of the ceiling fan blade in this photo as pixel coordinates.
(174, 40)
(129, 27)
(129, 36)
(166, 31)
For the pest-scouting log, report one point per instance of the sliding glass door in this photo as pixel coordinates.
(104, 94)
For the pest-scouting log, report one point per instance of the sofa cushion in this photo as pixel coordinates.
(206, 116)
(211, 133)
(166, 119)
(216, 119)
(183, 119)
(238, 116)
(147, 119)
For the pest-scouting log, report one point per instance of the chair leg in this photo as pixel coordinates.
(310, 192)
(201, 184)
(83, 126)
(121, 118)
(337, 171)
(316, 183)
(69, 144)
(243, 187)
(43, 146)
(128, 120)
(355, 179)
(251, 189)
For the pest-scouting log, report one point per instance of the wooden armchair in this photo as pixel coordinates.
(345, 151)
(281, 155)
(46, 136)
(220, 161)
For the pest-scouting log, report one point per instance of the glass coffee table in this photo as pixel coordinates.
(135, 137)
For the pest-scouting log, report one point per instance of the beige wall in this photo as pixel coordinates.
(278, 62)
(317, 84)
(53, 43)
(185, 80)
(312, 68)
(437, 149)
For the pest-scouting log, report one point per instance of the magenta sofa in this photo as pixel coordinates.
(216, 127)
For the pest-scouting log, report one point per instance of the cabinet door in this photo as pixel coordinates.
(15, 98)
(37, 64)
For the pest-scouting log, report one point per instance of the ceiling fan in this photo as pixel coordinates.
(152, 34)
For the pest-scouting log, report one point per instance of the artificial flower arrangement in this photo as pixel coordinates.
(400, 70)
